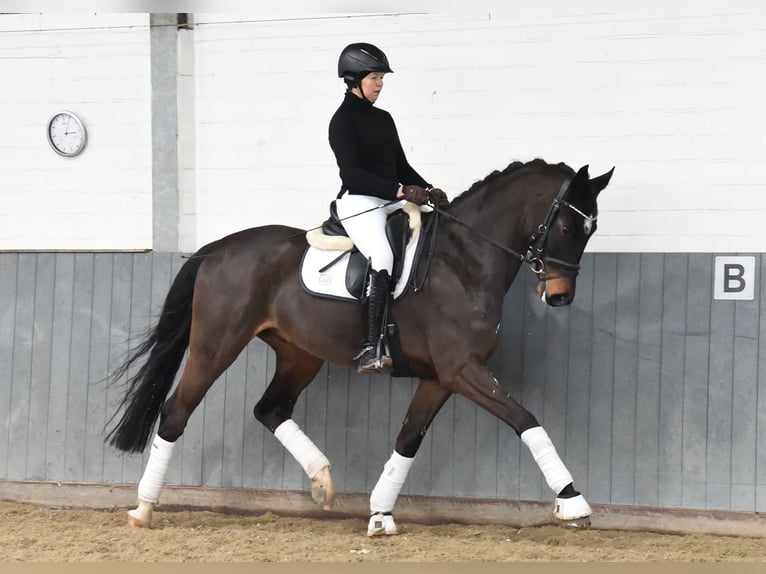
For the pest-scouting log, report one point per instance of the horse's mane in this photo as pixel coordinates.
(514, 168)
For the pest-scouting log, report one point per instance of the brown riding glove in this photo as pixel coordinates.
(415, 194)
(438, 197)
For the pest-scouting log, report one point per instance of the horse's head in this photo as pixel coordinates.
(559, 243)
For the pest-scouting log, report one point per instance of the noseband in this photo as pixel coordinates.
(535, 255)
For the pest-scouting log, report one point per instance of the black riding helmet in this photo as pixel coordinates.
(358, 60)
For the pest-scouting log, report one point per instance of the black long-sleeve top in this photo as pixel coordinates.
(368, 151)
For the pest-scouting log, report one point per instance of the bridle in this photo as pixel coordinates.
(536, 257)
(535, 253)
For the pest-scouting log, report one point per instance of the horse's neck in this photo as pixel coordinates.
(506, 216)
(500, 216)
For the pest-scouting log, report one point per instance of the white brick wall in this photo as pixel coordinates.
(673, 96)
(97, 67)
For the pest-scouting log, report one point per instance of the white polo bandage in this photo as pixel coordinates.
(300, 446)
(390, 483)
(540, 445)
(153, 479)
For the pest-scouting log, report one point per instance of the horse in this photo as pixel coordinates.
(247, 285)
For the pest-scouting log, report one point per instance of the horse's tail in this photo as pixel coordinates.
(166, 344)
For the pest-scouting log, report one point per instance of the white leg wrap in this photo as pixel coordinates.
(153, 479)
(390, 483)
(540, 445)
(300, 446)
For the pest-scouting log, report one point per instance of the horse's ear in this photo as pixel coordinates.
(600, 182)
(580, 181)
(582, 174)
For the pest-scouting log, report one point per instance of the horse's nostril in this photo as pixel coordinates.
(558, 300)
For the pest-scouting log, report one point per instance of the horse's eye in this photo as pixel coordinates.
(566, 230)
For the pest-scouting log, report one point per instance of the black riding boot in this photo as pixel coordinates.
(372, 317)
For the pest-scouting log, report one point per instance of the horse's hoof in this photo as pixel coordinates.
(322, 489)
(381, 524)
(577, 523)
(141, 517)
(574, 511)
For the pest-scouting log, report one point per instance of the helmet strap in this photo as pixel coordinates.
(356, 82)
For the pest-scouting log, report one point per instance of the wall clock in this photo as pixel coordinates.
(67, 134)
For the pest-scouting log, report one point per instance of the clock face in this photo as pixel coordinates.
(66, 134)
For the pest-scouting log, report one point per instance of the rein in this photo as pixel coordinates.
(534, 255)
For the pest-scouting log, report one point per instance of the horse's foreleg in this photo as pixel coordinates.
(429, 398)
(477, 383)
(295, 369)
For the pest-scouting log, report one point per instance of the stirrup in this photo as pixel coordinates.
(371, 362)
(366, 348)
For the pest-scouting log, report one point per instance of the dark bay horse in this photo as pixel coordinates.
(246, 285)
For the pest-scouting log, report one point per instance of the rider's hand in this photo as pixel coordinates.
(438, 197)
(415, 194)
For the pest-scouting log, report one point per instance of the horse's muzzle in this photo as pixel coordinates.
(557, 292)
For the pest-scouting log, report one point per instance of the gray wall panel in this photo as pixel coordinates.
(21, 372)
(672, 379)
(8, 278)
(624, 397)
(40, 371)
(648, 369)
(719, 403)
(760, 437)
(696, 382)
(744, 401)
(63, 315)
(98, 361)
(599, 486)
(77, 399)
(652, 392)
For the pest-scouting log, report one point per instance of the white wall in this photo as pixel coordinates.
(98, 67)
(674, 98)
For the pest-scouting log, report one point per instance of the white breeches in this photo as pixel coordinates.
(368, 231)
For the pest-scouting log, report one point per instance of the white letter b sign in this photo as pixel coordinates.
(735, 277)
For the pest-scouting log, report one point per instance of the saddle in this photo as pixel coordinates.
(332, 236)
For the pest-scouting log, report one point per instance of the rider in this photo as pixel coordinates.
(375, 174)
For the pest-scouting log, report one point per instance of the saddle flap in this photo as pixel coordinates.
(356, 273)
(398, 233)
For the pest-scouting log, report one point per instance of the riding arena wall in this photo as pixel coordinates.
(650, 384)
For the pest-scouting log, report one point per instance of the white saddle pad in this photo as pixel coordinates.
(332, 282)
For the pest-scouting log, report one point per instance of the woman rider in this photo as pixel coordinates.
(375, 174)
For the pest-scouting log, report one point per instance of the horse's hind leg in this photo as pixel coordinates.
(209, 357)
(429, 398)
(295, 369)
